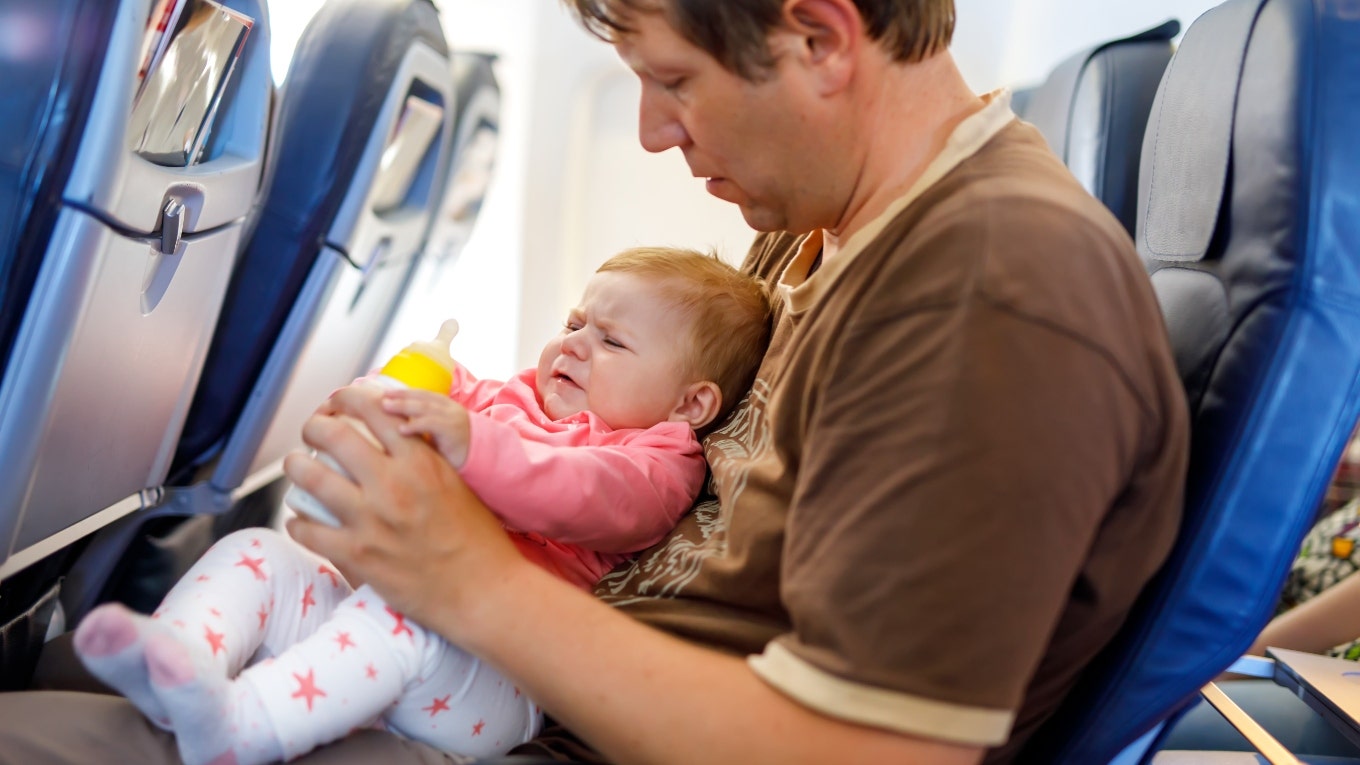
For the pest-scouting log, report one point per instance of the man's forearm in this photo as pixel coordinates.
(641, 696)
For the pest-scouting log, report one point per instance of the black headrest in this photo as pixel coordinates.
(1210, 150)
(1093, 108)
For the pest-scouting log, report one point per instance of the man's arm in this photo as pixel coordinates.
(416, 533)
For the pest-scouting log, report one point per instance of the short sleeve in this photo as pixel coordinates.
(956, 469)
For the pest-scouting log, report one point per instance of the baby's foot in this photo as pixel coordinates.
(111, 643)
(216, 721)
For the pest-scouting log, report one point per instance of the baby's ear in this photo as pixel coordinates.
(698, 406)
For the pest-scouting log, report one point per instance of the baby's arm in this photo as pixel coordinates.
(438, 418)
(615, 498)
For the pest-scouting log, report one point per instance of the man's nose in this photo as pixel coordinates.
(658, 129)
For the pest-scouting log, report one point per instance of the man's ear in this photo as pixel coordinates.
(700, 404)
(830, 33)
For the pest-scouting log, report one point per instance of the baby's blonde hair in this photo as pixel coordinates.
(728, 313)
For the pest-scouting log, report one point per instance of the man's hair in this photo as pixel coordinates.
(735, 31)
(728, 313)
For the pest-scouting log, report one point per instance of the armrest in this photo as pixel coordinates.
(1263, 742)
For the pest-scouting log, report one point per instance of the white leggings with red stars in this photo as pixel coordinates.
(325, 659)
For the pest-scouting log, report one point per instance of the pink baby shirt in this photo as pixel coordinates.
(576, 495)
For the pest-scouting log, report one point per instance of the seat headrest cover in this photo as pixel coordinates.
(1186, 148)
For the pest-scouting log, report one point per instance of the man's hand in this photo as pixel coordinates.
(439, 418)
(409, 526)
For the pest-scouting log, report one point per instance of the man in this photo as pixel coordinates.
(960, 462)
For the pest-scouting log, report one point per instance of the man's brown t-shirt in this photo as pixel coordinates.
(961, 460)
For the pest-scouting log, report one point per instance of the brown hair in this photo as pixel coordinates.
(728, 313)
(735, 31)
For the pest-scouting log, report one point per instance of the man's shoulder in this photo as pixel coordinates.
(1010, 226)
(1016, 181)
(1011, 216)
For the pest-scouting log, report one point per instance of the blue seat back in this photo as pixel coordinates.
(1249, 221)
(1093, 108)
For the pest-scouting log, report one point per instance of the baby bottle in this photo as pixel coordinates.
(424, 365)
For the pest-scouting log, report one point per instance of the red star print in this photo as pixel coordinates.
(335, 580)
(263, 614)
(477, 729)
(517, 691)
(214, 612)
(254, 543)
(179, 623)
(372, 672)
(401, 623)
(253, 564)
(307, 599)
(215, 639)
(361, 604)
(438, 705)
(307, 688)
(203, 578)
(344, 642)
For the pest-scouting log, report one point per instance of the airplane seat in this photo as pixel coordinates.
(362, 135)
(124, 203)
(1092, 110)
(476, 137)
(1249, 222)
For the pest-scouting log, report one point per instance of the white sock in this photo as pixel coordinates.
(216, 721)
(111, 643)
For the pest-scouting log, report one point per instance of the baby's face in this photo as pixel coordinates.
(620, 355)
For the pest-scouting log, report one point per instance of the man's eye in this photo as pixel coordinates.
(671, 86)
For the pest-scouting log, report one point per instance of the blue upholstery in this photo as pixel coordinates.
(43, 109)
(1093, 108)
(1249, 219)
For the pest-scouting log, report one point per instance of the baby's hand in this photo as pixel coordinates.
(439, 418)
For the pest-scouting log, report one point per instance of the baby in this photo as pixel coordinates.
(263, 651)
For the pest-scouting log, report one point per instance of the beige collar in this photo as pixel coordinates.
(801, 291)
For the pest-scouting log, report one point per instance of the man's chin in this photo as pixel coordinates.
(762, 220)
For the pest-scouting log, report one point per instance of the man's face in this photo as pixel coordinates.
(621, 355)
(757, 144)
